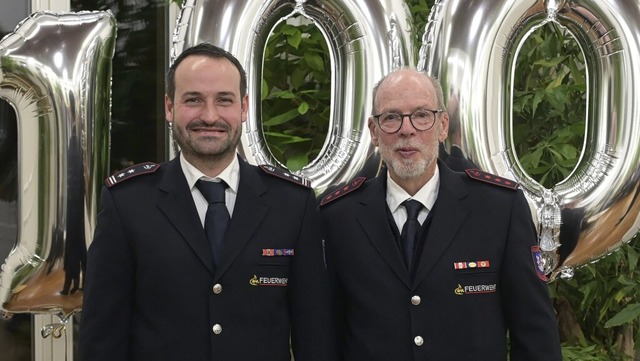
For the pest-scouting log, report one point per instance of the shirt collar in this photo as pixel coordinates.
(231, 174)
(426, 195)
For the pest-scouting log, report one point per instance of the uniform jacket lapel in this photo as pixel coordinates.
(176, 202)
(373, 219)
(249, 212)
(449, 214)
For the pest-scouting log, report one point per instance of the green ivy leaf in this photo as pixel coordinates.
(628, 314)
(547, 63)
(632, 257)
(296, 162)
(303, 108)
(285, 94)
(288, 29)
(537, 99)
(314, 60)
(299, 77)
(281, 118)
(294, 39)
(286, 138)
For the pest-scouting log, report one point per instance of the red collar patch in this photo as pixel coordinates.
(349, 187)
(477, 174)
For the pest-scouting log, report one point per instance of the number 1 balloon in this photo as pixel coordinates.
(55, 71)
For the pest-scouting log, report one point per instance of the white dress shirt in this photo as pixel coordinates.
(231, 176)
(426, 195)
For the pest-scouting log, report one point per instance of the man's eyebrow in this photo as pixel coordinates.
(197, 93)
(191, 93)
(226, 93)
(397, 110)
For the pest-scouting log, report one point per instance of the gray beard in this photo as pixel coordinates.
(409, 169)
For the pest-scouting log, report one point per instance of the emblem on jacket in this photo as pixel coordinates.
(475, 289)
(538, 262)
(269, 281)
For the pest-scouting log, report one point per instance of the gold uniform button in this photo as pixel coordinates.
(217, 329)
(418, 340)
(217, 288)
(415, 300)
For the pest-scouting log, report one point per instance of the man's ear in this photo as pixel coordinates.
(372, 131)
(444, 127)
(245, 107)
(168, 109)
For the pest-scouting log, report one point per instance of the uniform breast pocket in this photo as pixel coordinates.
(476, 282)
(271, 273)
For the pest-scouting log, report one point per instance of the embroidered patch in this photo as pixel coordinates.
(269, 281)
(134, 170)
(277, 172)
(491, 178)
(349, 187)
(476, 264)
(271, 252)
(538, 262)
(475, 289)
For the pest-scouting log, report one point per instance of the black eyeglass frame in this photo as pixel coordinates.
(410, 116)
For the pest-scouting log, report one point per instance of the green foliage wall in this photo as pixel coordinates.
(549, 105)
(296, 93)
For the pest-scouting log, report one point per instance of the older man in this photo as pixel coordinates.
(431, 264)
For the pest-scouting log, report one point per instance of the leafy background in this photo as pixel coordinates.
(296, 108)
(598, 309)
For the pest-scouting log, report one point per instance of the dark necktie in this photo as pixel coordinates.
(410, 230)
(217, 217)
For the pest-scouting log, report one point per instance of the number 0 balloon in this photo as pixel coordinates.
(55, 70)
(366, 39)
(597, 207)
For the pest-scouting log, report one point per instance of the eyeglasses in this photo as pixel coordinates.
(421, 119)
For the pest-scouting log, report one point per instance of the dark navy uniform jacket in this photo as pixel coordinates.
(151, 291)
(455, 158)
(476, 277)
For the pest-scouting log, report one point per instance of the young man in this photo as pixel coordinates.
(166, 282)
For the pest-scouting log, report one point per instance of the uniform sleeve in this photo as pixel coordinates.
(108, 290)
(313, 330)
(533, 330)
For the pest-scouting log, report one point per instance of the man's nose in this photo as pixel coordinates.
(406, 127)
(209, 113)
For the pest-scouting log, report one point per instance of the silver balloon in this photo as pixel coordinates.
(597, 205)
(367, 39)
(55, 70)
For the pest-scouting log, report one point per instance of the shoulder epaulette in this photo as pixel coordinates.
(127, 173)
(492, 179)
(348, 188)
(277, 172)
